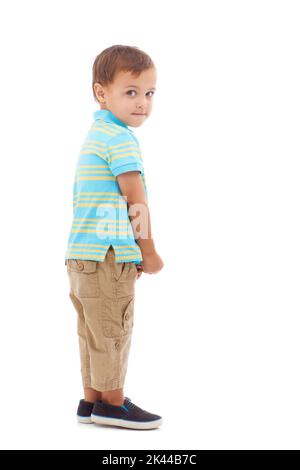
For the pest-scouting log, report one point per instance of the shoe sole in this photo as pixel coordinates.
(125, 423)
(84, 419)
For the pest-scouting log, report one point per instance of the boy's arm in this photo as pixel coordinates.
(131, 186)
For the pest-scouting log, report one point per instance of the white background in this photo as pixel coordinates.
(215, 349)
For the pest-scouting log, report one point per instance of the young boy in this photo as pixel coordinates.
(110, 242)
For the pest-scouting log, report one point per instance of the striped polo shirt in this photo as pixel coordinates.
(100, 213)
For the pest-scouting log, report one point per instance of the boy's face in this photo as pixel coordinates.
(129, 99)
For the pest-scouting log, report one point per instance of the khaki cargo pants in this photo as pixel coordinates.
(103, 296)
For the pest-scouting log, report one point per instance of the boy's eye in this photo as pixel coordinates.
(129, 91)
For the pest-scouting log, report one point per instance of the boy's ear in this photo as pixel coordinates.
(99, 92)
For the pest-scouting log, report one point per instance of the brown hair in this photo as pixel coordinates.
(119, 58)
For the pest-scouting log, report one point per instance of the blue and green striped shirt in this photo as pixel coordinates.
(100, 215)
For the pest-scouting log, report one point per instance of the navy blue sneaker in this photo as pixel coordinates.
(84, 411)
(127, 415)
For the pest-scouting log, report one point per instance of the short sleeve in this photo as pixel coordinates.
(123, 154)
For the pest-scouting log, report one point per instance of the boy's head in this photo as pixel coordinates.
(124, 80)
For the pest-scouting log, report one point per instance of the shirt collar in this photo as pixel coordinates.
(107, 116)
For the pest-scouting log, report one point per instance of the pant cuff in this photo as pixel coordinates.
(107, 386)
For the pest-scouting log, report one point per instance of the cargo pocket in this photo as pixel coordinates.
(83, 277)
(118, 317)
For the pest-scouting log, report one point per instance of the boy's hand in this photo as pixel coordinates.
(152, 263)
